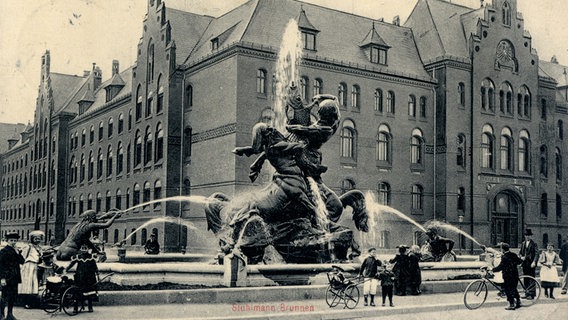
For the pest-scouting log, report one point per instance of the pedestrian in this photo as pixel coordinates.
(85, 275)
(548, 273)
(10, 275)
(493, 259)
(440, 247)
(529, 255)
(564, 257)
(152, 246)
(387, 278)
(414, 273)
(508, 265)
(400, 270)
(29, 288)
(368, 271)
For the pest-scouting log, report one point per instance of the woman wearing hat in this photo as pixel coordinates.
(29, 288)
(10, 276)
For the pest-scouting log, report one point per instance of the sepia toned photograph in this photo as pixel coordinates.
(283, 159)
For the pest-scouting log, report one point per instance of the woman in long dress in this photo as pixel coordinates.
(548, 274)
(29, 288)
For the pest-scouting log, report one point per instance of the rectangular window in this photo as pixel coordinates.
(149, 107)
(215, 44)
(309, 40)
(374, 55)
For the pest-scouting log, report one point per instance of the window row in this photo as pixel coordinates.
(132, 235)
(130, 198)
(505, 96)
(154, 101)
(32, 211)
(19, 185)
(144, 151)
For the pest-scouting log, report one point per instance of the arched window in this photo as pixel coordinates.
(261, 81)
(305, 88)
(118, 199)
(139, 100)
(544, 205)
(411, 106)
(417, 197)
(461, 151)
(544, 161)
(71, 168)
(487, 95)
(127, 200)
(120, 123)
(506, 12)
(506, 149)
(100, 164)
(108, 199)
(558, 207)
(101, 130)
(524, 154)
(318, 87)
(188, 97)
(423, 107)
(348, 139)
(136, 195)
(461, 94)
(506, 98)
(138, 149)
(187, 136)
(81, 204)
(99, 202)
(119, 158)
(523, 102)
(110, 127)
(378, 100)
(356, 97)
(390, 102)
(147, 192)
(159, 142)
(160, 101)
(143, 236)
(416, 147)
(487, 147)
(150, 68)
(384, 190)
(133, 236)
(342, 94)
(83, 137)
(560, 129)
(157, 192)
(91, 165)
(148, 150)
(461, 199)
(149, 104)
(109, 161)
(92, 134)
(558, 158)
(384, 148)
(128, 158)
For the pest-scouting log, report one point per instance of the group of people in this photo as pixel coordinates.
(395, 276)
(529, 258)
(24, 270)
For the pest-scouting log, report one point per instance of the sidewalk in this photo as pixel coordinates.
(296, 309)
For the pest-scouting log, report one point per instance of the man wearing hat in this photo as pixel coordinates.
(10, 261)
(529, 255)
(368, 271)
(508, 266)
(152, 246)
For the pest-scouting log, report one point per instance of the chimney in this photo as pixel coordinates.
(554, 60)
(86, 73)
(115, 68)
(97, 77)
(396, 21)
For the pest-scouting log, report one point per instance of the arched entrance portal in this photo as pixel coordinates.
(506, 211)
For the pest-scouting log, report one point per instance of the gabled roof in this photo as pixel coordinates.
(116, 80)
(7, 131)
(100, 93)
(187, 29)
(304, 22)
(339, 38)
(554, 70)
(65, 87)
(373, 38)
(435, 22)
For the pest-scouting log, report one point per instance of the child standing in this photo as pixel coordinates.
(387, 283)
(368, 271)
(85, 275)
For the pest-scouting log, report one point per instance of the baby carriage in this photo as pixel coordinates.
(55, 286)
(341, 289)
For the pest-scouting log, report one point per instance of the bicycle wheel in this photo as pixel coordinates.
(332, 297)
(351, 296)
(49, 301)
(475, 294)
(529, 290)
(70, 300)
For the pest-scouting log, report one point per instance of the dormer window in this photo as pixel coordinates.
(379, 55)
(215, 44)
(309, 39)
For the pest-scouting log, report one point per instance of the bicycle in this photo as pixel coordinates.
(341, 289)
(475, 293)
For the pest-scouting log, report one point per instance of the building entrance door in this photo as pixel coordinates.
(505, 214)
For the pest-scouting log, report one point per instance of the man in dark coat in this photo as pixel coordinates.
(529, 255)
(508, 266)
(152, 246)
(10, 276)
(401, 270)
(439, 246)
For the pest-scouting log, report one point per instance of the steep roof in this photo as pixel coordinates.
(435, 22)
(7, 131)
(554, 70)
(100, 93)
(339, 38)
(373, 38)
(65, 86)
(187, 29)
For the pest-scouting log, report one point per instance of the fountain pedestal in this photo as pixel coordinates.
(121, 252)
(235, 274)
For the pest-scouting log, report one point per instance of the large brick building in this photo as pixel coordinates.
(451, 116)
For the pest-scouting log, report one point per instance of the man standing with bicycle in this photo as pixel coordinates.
(529, 255)
(508, 266)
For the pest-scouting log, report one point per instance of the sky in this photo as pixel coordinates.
(81, 32)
